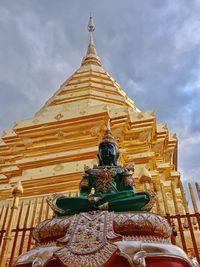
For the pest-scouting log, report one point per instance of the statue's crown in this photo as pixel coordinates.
(108, 137)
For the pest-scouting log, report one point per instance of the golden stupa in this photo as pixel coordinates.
(48, 153)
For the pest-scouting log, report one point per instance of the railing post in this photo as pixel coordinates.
(17, 191)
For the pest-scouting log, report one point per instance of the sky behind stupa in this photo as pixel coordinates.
(152, 49)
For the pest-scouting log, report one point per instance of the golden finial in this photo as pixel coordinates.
(91, 55)
(17, 190)
(91, 28)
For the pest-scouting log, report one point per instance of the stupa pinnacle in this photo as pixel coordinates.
(89, 82)
(91, 55)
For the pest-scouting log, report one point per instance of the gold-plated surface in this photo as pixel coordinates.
(184, 201)
(17, 191)
(194, 202)
(165, 201)
(174, 198)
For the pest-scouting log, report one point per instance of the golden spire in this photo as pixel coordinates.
(91, 55)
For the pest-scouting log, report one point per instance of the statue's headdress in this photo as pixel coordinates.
(108, 137)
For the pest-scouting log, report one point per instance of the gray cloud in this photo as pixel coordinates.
(150, 47)
(14, 105)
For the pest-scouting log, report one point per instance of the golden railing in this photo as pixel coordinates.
(19, 216)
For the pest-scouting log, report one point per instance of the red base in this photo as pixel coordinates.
(166, 262)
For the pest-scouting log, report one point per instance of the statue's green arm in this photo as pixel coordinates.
(125, 181)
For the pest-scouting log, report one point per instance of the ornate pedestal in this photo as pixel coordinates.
(104, 239)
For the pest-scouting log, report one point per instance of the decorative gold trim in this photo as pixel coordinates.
(148, 239)
(51, 201)
(152, 201)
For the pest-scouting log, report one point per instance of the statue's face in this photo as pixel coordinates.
(107, 154)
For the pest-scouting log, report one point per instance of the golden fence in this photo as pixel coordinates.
(19, 216)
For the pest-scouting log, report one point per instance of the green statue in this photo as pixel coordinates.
(113, 186)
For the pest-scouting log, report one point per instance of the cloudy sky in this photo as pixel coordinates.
(152, 48)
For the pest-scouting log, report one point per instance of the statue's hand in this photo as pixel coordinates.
(129, 181)
(84, 183)
(93, 199)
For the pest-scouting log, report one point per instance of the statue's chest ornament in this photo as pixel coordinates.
(105, 180)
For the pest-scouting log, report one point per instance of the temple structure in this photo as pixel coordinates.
(48, 153)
